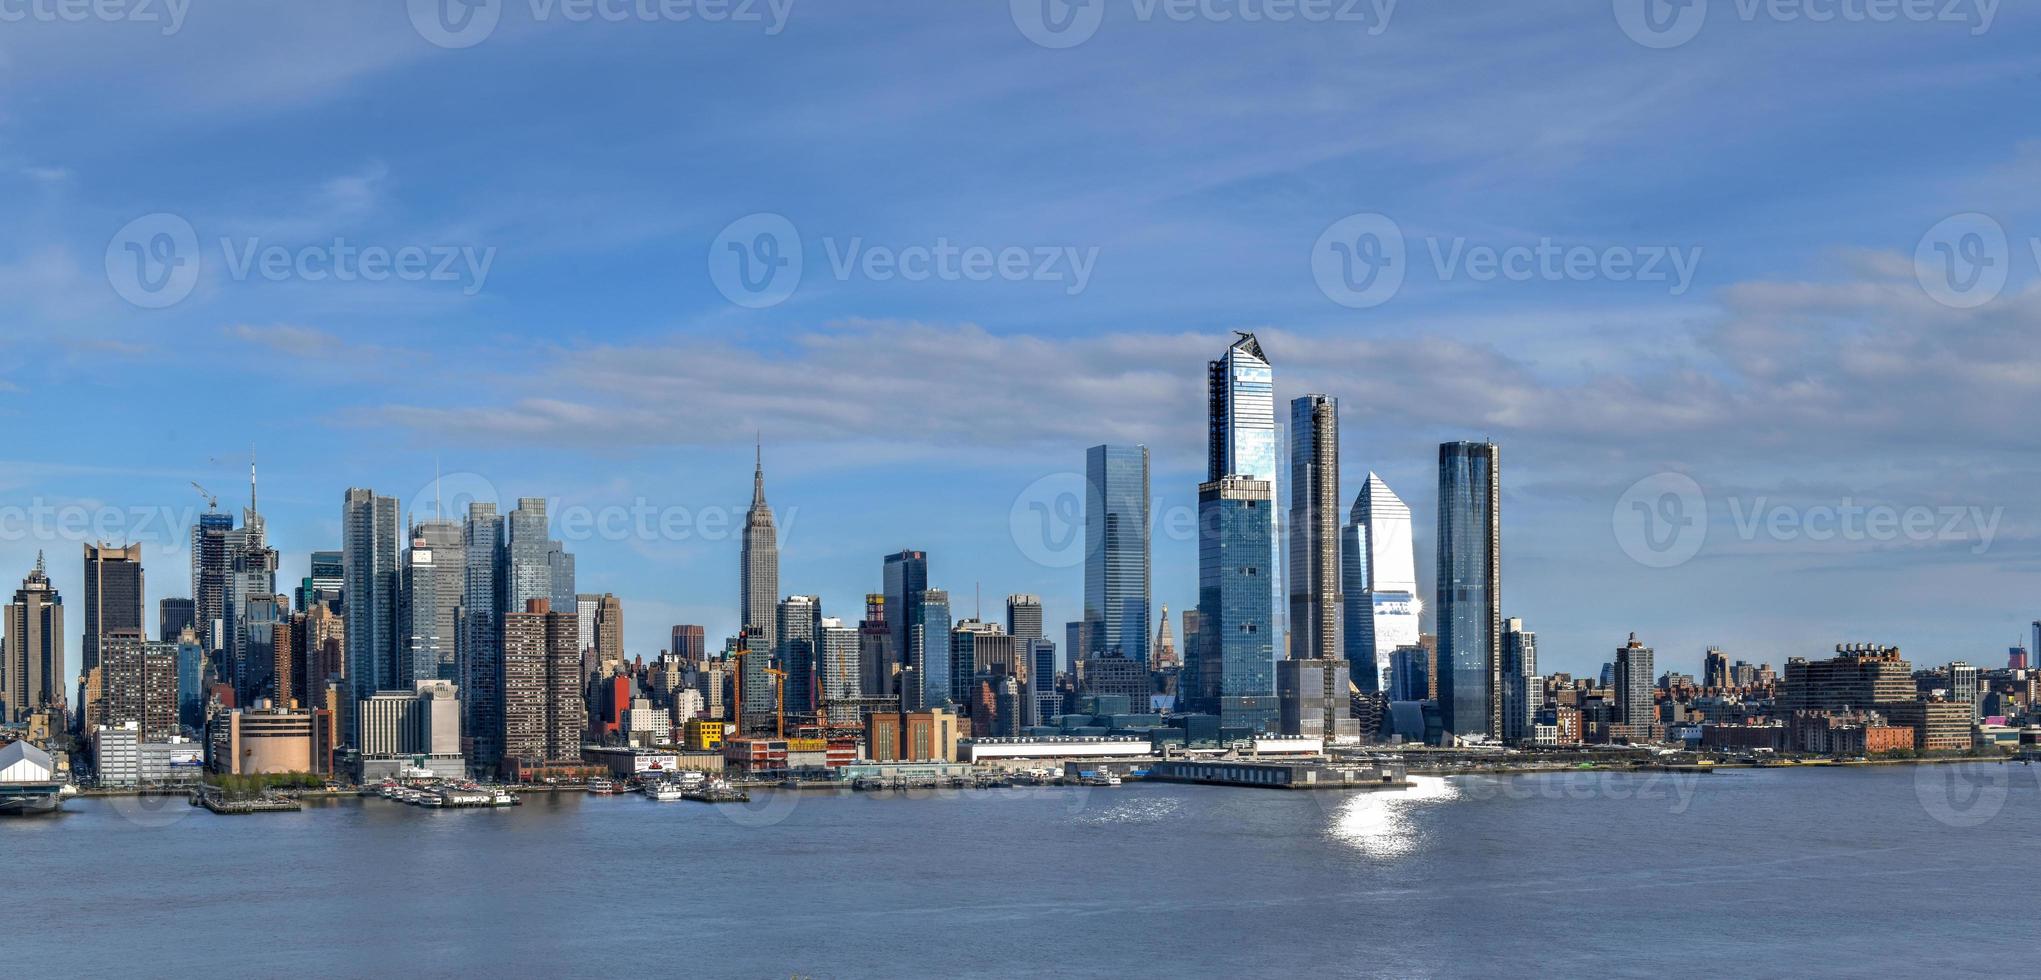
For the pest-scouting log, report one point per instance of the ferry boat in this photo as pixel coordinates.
(603, 787)
(661, 791)
(717, 791)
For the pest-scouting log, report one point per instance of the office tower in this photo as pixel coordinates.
(1963, 687)
(1315, 599)
(837, 673)
(1313, 701)
(1715, 669)
(191, 680)
(1074, 635)
(963, 669)
(1235, 607)
(434, 587)
(1116, 551)
(138, 683)
(422, 720)
(252, 649)
(527, 570)
(928, 652)
(1378, 563)
(798, 626)
(173, 617)
(481, 635)
(584, 607)
(211, 563)
(906, 578)
(320, 639)
(878, 658)
(33, 676)
(609, 630)
(544, 712)
(368, 556)
(759, 589)
(1042, 694)
(1242, 440)
(1519, 676)
(560, 570)
(250, 609)
(1470, 590)
(323, 584)
(1635, 704)
(690, 643)
(1410, 670)
(113, 597)
(1024, 617)
(758, 703)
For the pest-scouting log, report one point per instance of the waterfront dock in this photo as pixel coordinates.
(211, 799)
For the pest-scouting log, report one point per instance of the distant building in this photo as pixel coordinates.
(1378, 564)
(369, 561)
(799, 626)
(758, 590)
(1316, 602)
(1024, 617)
(690, 643)
(1305, 694)
(1117, 588)
(32, 673)
(113, 600)
(906, 578)
(262, 739)
(1242, 441)
(1859, 676)
(1235, 605)
(928, 652)
(138, 685)
(174, 616)
(544, 712)
(918, 736)
(1469, 591)
(1635, 703)
(1520, 689)
(837, 669)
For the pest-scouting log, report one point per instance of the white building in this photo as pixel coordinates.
(647, 725)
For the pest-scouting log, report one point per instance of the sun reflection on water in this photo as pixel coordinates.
(1379, 822)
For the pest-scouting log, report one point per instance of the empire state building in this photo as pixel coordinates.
(759, 588)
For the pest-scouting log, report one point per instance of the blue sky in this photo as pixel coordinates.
(1196, 167)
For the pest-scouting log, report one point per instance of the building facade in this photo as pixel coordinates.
(1469, 593)
(1242, 440)
(1117, 574)
(1378, 566)
(1235, 606)
(1316, 603)
(759, 571)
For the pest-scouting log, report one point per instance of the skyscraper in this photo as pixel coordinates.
(609, 630)
(1315, 603)
(481, 635)
(1635, 703)
(1242, 439)
(758, 592)
(906, 578)
(757, 702)
(1024, 617)
(138, 683)
(528, 562)
(113, 597)
(253, 606)
(1470, 590)
(368, 557)
(173, 616)
(32, 668)
(836, 669)
(1378, 563)
(690, 643)
(798, 626)
(1235, 607)
(878, 658)
(323, 584)
(434, 587)
(211, 564)
(544, 711)
(1519, 679)
(928, 652)
(1117, 588)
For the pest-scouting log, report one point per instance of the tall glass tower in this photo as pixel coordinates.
(928, 651)
(1116, 558)
(1235, 609)
(1242, 439)
(1314, 529)
(369, 549)
(1379, 565)
(1470, 590)
(481, 635)
(906, 578)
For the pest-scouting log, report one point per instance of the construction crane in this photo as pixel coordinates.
(212, 500)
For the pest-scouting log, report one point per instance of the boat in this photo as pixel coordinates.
(661, 791)
(603, 787)
(717, 791)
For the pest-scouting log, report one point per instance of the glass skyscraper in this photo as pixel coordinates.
(1241, 440)
(1379, 565)
(1116, 560)
(1470, 590)
(799, 628)
(906, 578)
(1315, 606)
(369, 549)
(1235, 607)
(928, 651)
(481, 635)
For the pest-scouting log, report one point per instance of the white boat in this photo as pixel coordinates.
(661, 791)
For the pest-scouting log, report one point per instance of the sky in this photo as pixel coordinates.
(1745, 292)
